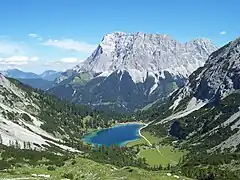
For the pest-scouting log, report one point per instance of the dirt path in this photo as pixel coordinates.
(150, 144)
(139, 132)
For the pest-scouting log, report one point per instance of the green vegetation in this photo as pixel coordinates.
(139, 159)
(83, 168)
(211, 166)
(162, 155)
(17, 163)
(15, 157)
(26, 117)
(141, 141)
(158, 154)
(82, 78)
(63, 119)
(198, 163)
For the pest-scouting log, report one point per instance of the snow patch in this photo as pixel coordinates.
(153, 88)
(74, 92)
(122, 72)
(155, 85)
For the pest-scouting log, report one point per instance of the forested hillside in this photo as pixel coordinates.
(203, 117)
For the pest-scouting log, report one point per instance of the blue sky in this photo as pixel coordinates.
(56, 34)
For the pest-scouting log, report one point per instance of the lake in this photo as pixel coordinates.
(118, 135)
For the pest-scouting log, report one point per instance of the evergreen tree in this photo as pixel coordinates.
(1, 140)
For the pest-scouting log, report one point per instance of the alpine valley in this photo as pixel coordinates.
(129, 71)
(186, 99)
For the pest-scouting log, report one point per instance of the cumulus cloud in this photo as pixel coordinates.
(223, 32)
(63, 64)
(17, 60)
(70, 44)
(21, 54)
(70, 60)
(64, 61)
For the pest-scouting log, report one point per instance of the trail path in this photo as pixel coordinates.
(150, 144)
(139, 132)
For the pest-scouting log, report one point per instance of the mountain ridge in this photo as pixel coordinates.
(39, 81)
(152, 66)
(207, 105)
(49, 75)
(116, 48)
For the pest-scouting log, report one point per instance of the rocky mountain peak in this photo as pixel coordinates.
(219, 77)
(135, 68)
(142, 52)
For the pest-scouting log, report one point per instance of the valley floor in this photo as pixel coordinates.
(156, 154)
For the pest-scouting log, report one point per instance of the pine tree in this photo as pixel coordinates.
(1, 140)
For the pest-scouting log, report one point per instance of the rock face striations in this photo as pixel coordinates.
(128, 71)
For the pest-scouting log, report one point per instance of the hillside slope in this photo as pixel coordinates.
(28, 116)
(207, 108)
(203, 117)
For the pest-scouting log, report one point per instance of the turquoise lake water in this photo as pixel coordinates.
(116, 135)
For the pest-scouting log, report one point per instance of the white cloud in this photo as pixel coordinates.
(21, 55)
(223, 32)
(70, 44)
(68, 60)
(35, 36)
(17, 60)
(63, 64)
(32, 35)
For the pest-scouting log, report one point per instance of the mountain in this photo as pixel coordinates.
(203, 117)
(37, 83)
(16, 73)
(209, 102)
(50, 75)
(129, 71)
(42, 81)
(29, 116)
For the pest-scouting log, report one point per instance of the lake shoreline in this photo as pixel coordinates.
(88, 138)
(99, 129)
(134, 122)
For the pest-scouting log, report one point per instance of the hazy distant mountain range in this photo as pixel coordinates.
(40, 81)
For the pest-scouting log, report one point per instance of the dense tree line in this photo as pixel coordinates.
(15, 157)
(119, 156)
(204, 166)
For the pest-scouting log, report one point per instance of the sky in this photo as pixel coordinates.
(36, 35)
